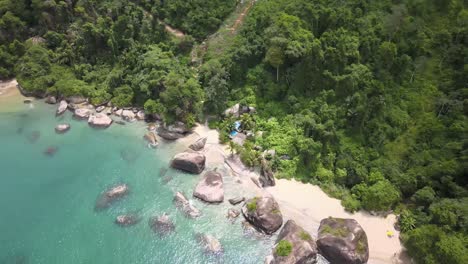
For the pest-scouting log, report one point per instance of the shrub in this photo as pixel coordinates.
(305, 236)
(283, 248)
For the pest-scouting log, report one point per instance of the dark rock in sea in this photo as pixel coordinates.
(63, 106)
(183, 204)
(236, 200)
(174, 131)
(199, 144)
(27, 101)
(129, 155)
(119, 122)
(210, 188)
(267, 177)
(34, 136)
(304, 249)
(342, 241)
(163, 171)
(127, 220)
(232, 213)
(50, 100)
(167, 179)
(192, 162)
(111, 195)
(50, 151)
(62, 128)
(263, 213)
(162, 225)
(209, 243)
(166, 134)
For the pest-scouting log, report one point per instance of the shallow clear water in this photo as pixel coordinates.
(47, 202)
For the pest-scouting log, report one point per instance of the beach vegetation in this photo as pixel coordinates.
(284, 248)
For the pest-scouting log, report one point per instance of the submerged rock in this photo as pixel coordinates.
(62, 128)
(210, 188)
(50, 151)
(183, 204)
(210, 244)
(304, 249)
(199, 144)
(34, 136)
(63, 106)
(127, 220)
(263, 213)
(192, 162)
(99, 120)
(162, 225)
(122, 123)
(111, 195)
(342, 241)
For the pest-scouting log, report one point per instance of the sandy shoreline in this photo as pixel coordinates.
(305, 203)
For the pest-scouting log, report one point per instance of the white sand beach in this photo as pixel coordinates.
(305, 203)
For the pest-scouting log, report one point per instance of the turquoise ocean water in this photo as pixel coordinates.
(47, 202)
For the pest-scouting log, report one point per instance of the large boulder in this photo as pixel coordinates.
(342, 241)
(199, 144)
(303, 250)
(62, 128)
(82, 113)
(263, 213)
(128, 115)
(267, 177)
(99, 120)
(210, 188)
(151, 138)
(192, 162)
(111, 195)
(209, 243)
(50, 100)
(63, 106)
(168, 135)
(184, 204)
(174, 131)
(140, 115)
(162, 225)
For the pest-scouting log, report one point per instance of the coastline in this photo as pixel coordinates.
(305, 203)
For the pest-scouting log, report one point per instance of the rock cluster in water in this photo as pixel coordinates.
(184, 204)
(162, 225)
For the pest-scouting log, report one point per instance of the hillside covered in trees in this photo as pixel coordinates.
(366, 98)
